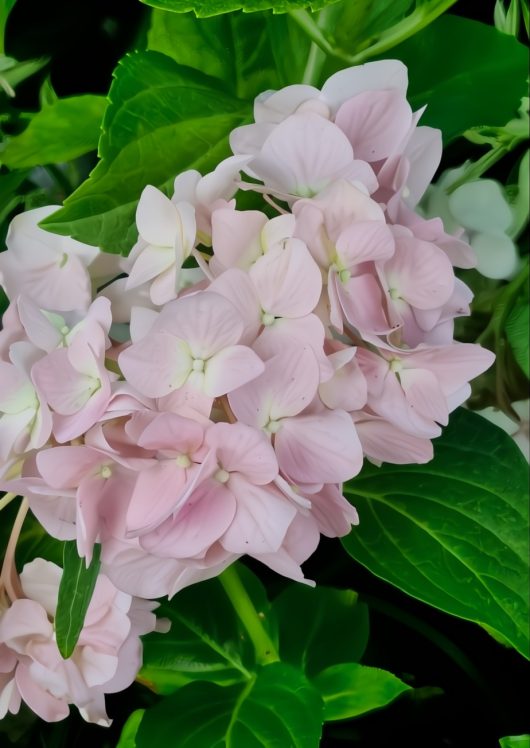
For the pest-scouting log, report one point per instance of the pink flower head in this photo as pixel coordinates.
(319, 447)
(194, 341)
(167, 237)
(106, 658)
(51, 270)
(306, 153)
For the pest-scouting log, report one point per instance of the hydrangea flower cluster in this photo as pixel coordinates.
(206, 397)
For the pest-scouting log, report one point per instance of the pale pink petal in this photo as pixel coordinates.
(275, 106)
(424, 394)
(236, 236)
(156, 495)
(375, 122)
(40, 331)
(165, 286)
(236, 286)
(368, 77)
(173, 364)
(361, 300)
(420, 273)
(347, 389)
(157, 218)
(245, 450)
(286, 387)
(287, 333)
(303, 155)
(206, 321)
(46, 706)
(334, 514)
(231, 368)
(24, 621)
(384, 442)
(288, 281)
(424, 152)
(151, 261)
(171, 431)
(454, 364)
(202, 521)
(40, 581)
(249, 139)
(262, 518)
(363, 241)
(65, 467)
(321, 448)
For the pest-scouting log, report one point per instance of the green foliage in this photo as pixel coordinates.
(156, 107)
(75, 592)
(217, 693)
(276, 707)
(206, 640)
(453, 533)
(130, 728)
(330, 626)
(236, 49)
(515, 741)
(350, 689)
(60, 132)
(517, 330)
(467, 73)
(205, 8)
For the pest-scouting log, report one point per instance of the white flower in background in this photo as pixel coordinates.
(518, 430)
(479, 207)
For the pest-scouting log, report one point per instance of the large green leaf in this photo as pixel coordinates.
(320, 627)
(467, 72)
(234, 48)
(453, 533)
(205, 8)
(59, 132)
(517, 331)
(350, 689)
(206, 640)
(278, 708)
(130, 728)
(515, 741)
(75, 592)
(162, 119)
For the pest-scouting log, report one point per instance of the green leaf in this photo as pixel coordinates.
(130, 728)
(19, 71)
(517, 331)
(515, 741)
(162, 119)
(454, 532)
(361, 22)
(468, 74)
(60, 132)
(205, 8)
(206, 640)
(277, 708)
(75, 592)
(320, 626)
(350, 689)
(234, 48)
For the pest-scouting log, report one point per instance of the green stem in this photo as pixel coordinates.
(504, 304)
(315, 60)
(265, 648)
(503, 307)
(421, 17)
(485, 162)
(317, 57)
